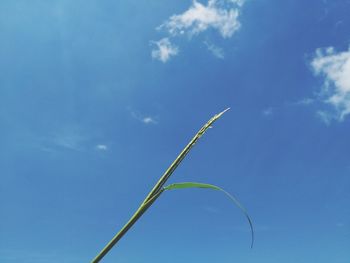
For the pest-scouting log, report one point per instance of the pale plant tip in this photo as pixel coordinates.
(221, 113)
(226, 110)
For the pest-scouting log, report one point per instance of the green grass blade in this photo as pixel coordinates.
(214, 187)
(182, 155)
(157, 189)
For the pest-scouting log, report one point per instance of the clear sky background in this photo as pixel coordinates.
(97, 97)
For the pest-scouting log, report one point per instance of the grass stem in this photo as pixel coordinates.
(157, 189)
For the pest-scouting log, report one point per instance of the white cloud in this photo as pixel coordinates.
(215, 50)
(144, 119)
(219, 15)
(101, 147)
(149, 120)
(164, 50)
(335, 68)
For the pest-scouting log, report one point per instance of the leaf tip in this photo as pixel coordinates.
(221, 113)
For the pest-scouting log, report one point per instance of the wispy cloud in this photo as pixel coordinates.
(67, 138)
(215, 50)
(325, 116)
(101, 147)
(198, 18)
(144, 118)
(164, 50)
(334, 67)
(71, 142)
(268, 112)
(219, 15)
(149, 120)
(305, 101)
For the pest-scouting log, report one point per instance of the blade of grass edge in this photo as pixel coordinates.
(217, 188)
(157, 189)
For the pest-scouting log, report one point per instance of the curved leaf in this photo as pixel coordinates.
(214, 187)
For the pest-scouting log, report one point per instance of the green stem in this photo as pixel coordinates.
(157, 189)
(140, 211)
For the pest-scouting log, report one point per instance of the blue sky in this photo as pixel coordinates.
(98, 97)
